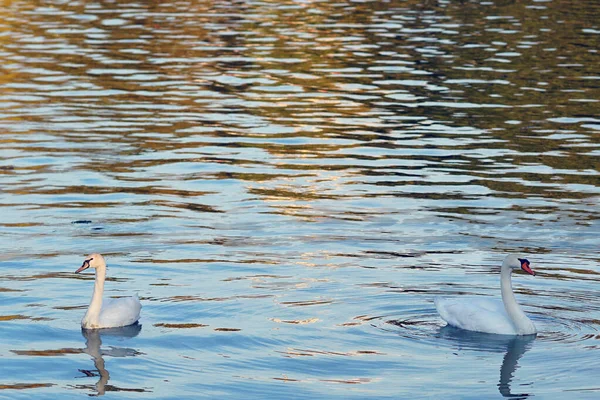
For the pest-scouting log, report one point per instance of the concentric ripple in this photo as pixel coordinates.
(565, 330)
(425, 325)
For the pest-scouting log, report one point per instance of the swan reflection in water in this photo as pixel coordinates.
(93, 343)
(513, 346)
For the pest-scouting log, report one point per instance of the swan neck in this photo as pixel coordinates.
(521, 323)
(93, 312)
(506, 286)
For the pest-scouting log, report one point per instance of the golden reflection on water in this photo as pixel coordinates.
(134, 77)
(20, 386)
(181, 326)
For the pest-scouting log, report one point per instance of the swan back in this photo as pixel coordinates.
(120, 312)
(476, 314)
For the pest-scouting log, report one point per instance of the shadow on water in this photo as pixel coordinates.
(93, 347)
(514, 348)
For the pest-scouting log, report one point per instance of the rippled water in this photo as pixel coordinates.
(288, 185)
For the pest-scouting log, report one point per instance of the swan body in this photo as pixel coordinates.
(491, 316)
(109, 313)
(475, 314)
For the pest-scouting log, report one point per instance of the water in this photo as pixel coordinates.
(287, 186)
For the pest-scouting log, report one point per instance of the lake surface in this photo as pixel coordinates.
(288, 185)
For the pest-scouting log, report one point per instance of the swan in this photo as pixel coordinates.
(110, 313)
(484, 315)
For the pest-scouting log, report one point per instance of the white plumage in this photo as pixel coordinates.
(491, 316)
(109, 313)
(475, 314)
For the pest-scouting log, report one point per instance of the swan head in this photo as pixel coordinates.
(513, 262)
(94, 260)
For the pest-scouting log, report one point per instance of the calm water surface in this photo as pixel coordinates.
(287, 185)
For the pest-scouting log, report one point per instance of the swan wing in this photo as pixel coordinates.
(120, 312)
(480, 315)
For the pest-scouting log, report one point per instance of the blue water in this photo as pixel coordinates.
(287, 186)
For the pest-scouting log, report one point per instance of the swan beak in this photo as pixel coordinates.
(525, 267)
(86, 265)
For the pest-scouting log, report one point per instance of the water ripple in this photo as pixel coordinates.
(287, 185)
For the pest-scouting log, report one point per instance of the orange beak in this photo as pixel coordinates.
(525, 266)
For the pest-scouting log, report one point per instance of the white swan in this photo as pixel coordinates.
(491, 316)
(111, 313)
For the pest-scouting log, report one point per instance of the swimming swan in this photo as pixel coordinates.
(110, 313)
(491, 316)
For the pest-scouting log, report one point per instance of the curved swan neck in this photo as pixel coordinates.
(93, 312)
(520, 321)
